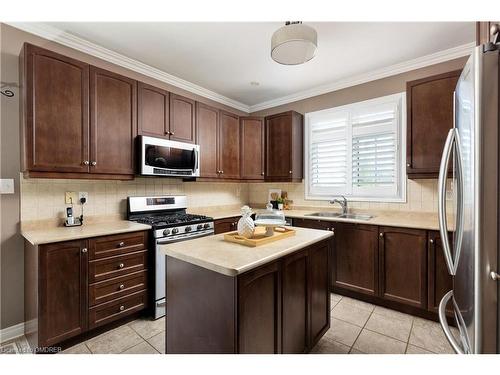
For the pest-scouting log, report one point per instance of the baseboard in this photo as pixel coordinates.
(11, 332)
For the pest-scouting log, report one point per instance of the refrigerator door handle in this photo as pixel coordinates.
(444, 323)
(443, 225)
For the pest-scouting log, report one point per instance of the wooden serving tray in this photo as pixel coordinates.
(259, 237)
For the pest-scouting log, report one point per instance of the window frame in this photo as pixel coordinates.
(401, 178)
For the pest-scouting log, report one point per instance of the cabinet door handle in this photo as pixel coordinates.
(262, 173)
(289, 172)
(408, 165)
(122, 308)
(431, 241)
(121, 244)
(94, 163)
(222, 172)
(122, 286)
(381, 234)
(86, 162)
(172, 133)
(84, 250)
(121, 265)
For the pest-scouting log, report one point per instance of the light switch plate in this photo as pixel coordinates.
(71, 197)
(6, 186)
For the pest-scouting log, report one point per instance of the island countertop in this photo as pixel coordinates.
(232, 259)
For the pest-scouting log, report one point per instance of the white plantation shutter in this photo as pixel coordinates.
(356, 150)
(328, 157)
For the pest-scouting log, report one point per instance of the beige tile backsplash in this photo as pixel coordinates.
(421, 196)
(43, 199)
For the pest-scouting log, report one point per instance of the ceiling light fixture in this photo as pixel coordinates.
(294, 43)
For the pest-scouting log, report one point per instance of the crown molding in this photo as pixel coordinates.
(420, 62)
(51, 33)
(72, 41)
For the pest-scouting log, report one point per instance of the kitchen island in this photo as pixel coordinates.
(224, 297)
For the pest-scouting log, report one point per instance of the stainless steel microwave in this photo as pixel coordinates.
(162, 157)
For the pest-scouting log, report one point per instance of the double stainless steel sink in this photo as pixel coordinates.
(342, 216)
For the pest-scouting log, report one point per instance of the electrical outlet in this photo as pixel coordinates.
(70, 197)
(83, 194)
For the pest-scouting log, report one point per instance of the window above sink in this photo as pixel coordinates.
(357, 150)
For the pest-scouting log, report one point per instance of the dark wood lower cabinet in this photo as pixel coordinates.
(439, 280)
(280, 307)
(227, 224)
(63, 291)
(259, 310)
(399, 268)
(356, 258)
(403, 265)
(67, 294)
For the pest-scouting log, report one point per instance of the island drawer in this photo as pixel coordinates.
(117, 287)
(108, 246)
(108, 268)
(116, 309)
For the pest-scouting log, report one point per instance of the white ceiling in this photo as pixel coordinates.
(226, 57)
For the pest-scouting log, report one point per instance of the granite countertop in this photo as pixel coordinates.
(59, 234)
(232, 259)
(403, 219)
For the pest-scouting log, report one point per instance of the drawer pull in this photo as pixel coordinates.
(122, 308)
(121, 265)
(84, 250)
(121, 287)
(121, 244)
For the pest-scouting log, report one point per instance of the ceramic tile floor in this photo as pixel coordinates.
(357, 328)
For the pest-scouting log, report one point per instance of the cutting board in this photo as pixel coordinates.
(259, 237)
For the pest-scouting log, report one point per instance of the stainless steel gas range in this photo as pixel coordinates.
(170, 223)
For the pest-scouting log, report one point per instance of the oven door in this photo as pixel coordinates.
(161, 157)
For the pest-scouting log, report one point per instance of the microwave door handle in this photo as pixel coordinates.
(195, 155)
(443, 226)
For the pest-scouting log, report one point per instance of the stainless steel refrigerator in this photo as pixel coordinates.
(472, 253)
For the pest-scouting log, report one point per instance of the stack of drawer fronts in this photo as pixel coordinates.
(117, 276)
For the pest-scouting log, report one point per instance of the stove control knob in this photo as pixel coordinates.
(199, 227)
(187, 229)
(166, 232)
(175, 231)
(206, 226)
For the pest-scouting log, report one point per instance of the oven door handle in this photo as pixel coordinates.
(166, 241)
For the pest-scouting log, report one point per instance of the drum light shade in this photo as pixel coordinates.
(293, 44)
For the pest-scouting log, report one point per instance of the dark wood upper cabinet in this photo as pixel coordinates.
(429, 118)
(284, 135)
(355, 260)
(153, 105)
(55, 110)
(207, 125)
(439, 280)
(403, 266)
(259, 310)
(252, 148)
(229, 145)
(182, 119)
(483, 34)
(62, 291)
(113, 122)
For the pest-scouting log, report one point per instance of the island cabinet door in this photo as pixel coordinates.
(259, 310)
(355, 262)
(295, 304)
(318, 280)
(403, 266)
